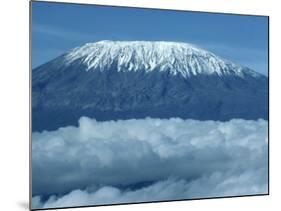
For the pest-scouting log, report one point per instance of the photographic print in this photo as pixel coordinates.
(134, 105)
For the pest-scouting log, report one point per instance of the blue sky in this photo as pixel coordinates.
(57, 28)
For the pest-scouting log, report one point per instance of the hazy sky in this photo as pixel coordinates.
(57, 28)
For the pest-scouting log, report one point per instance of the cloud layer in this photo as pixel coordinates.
(146, 160)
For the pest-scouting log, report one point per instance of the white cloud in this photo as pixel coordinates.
(148, 159)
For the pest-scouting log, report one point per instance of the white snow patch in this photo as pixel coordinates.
(178, 58)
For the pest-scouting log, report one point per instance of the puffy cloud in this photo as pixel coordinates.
(148, 160)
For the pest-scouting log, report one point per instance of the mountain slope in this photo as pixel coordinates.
(120, 80)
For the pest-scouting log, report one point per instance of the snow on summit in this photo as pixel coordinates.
(175, 57)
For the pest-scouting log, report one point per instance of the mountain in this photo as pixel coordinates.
(111, 80)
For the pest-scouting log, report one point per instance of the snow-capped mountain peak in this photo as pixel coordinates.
(111, 80)
(177, 58)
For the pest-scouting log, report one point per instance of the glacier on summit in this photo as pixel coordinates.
(177, 58)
